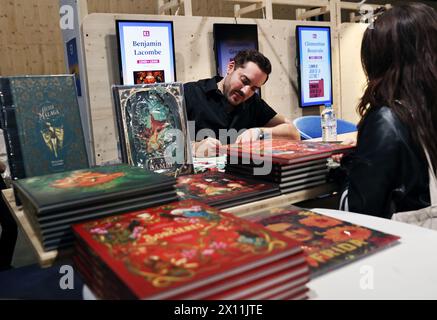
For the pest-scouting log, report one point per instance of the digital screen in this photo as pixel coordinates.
(314, 65)
(146, 51)
(231, 38)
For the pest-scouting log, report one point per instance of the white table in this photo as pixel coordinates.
(407, 270)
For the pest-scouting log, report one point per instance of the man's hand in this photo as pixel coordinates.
(249, 135)
(208, 147)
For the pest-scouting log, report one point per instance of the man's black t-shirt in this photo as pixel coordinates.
(209, 109)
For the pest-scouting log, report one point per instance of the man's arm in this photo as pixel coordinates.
(281, 127)
(277, 127)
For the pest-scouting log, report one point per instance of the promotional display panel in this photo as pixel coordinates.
(314, 65)
(146, 51)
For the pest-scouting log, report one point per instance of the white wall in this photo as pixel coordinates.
(352, 77)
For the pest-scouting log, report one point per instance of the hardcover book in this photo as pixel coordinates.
(81, 188)
(289, 176)
(169, 250)
(296, 276)
(259, 279)
(282, 151)
(218, 187)
(329, 243)
(152, 126)
(41, 117)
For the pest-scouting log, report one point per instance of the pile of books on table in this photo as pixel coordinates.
(188, 250)
(293, 165)
(54, 202)
(222, 190)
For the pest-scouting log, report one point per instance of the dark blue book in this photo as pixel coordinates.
(42, 125)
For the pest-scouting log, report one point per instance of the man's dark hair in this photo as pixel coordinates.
(254, 56)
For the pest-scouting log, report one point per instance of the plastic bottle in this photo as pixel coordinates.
(329, 124)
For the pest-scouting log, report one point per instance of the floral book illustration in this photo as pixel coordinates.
(80, 187)
(152, 125)
(329, 243)
(282, 151)
(171, 249)
(213, 187)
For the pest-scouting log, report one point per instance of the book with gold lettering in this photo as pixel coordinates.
(42, 126)
(41, 118)
(328, 242)
(170, 250)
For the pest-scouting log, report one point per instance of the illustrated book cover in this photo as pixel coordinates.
(218, 187)
(41, 117)
(152, 127)
(328, 242)
(82, 188)
(166, 251)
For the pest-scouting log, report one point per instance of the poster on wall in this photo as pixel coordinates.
(73, 63)
(146, 51)
(314, 65)
(231, 38)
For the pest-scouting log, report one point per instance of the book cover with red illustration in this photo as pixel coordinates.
(282, 151)
(168, 250)
(218, 187)
(328, 242)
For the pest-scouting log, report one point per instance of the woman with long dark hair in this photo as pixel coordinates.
(388, 173)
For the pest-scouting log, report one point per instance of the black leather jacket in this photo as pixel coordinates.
(387, 173)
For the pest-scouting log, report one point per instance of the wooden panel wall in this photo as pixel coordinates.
(122, 6)
(203, 8)
(30, 37)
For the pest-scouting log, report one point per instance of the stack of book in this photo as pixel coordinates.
(54, 202)
(328, 242)
(223, 190)
(187, 250)
(293, 165)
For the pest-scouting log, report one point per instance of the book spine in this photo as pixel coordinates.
(10, 132)
(121, 139)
